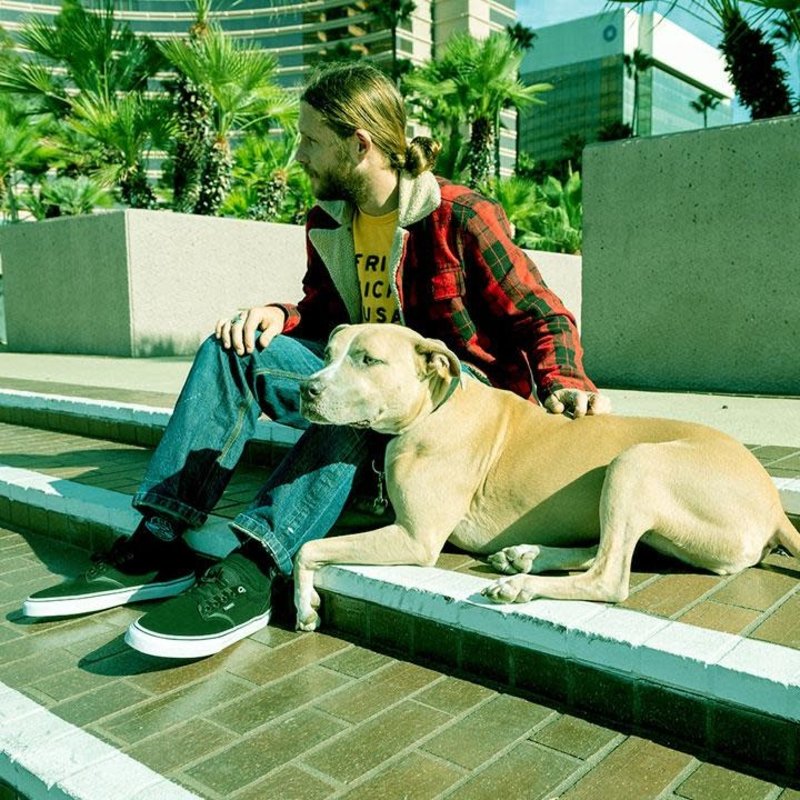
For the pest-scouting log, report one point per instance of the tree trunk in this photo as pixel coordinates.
(136, 190)
(216, 180)
(480, 152)
(192, 145)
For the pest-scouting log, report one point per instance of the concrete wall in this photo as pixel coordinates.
(2, 313)
(562, 273)
(691, 260)
(145, 283)
(139, 283)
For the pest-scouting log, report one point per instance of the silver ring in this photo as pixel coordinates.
(235, 320)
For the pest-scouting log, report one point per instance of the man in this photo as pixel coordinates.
(387, 242)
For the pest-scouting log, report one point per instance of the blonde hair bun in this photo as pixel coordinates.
(421, 155)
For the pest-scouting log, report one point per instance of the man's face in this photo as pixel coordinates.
(326, 159)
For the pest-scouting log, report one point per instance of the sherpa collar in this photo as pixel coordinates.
(418, 197)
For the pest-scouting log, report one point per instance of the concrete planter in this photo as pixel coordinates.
(690, 260)
(153, 283)
(139, 283)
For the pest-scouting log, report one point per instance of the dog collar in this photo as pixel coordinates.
(454, 383)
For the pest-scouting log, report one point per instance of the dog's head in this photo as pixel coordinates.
(383, 377)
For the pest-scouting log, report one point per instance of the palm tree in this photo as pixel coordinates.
(614, 131)
(241, 84)
(705, 102)
(392, 14)
(752, 64)
(95, 55)
(522, 36)
(21, 150)
(519, 199)
(635, 65)
(557, 222)
(429, 91)
(127, 128)
(472, 83)
(572, 146)
(192, 109)
(91, 74)
(269, 184)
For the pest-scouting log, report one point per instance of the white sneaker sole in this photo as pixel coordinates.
(86, 604)
(156, 644)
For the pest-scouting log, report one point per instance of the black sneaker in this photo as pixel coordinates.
(230, 601)
(123, 575)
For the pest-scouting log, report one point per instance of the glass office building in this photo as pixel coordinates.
(584, 60)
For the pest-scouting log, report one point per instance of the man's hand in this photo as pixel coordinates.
(240, 331)
(577, 403)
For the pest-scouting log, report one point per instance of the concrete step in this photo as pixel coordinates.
(732, 694)
(119, 421)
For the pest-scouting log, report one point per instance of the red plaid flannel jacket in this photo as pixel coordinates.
(458, 277)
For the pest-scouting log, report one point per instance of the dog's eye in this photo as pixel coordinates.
(369, 361)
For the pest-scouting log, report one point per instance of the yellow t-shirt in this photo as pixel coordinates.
(372, 239)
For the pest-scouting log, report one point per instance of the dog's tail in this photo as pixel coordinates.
(789, 536)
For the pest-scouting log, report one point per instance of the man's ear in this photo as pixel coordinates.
(437, 358)
(363, 141)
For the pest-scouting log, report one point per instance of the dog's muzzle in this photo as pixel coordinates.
(310, 390)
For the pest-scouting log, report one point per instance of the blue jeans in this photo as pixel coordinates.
(215, 416)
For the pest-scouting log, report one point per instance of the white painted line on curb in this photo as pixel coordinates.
(789, 491)
(43, 756)
(756, 675)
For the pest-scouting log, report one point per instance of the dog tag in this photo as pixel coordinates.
(380, 503)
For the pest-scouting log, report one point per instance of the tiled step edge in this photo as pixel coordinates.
(751, 674)
(42, 756)
(141, 424)
(135, 423)
(88, 516)
(756, 675)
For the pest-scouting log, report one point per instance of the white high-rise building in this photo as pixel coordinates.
(301, 32)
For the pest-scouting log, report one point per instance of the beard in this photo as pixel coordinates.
(338, 183)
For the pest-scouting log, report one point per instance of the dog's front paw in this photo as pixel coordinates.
(511, 560)
(308, 623)
(517, 589)
(307, 602)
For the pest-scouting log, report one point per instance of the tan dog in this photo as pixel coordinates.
(495, 474)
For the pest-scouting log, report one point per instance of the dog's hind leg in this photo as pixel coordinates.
(533, 559)
(628, 497)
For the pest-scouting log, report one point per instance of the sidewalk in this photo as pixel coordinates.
(412, 688)
(752, 420)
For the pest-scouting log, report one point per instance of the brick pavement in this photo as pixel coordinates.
(306, 716)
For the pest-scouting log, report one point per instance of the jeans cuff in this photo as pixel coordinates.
(255, 529)
(169, 507)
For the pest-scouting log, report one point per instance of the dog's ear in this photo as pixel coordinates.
(436, 357)
(336, 330)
